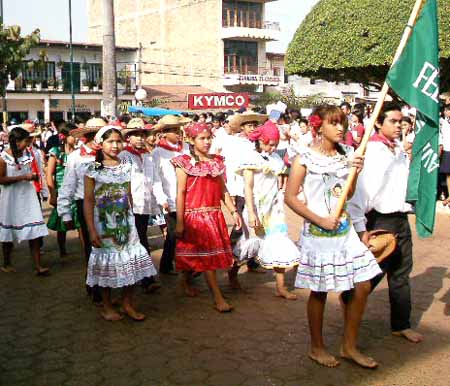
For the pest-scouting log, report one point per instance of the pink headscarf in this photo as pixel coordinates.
(266, 133)
(195, 129)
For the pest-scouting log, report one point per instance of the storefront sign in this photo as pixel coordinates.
(217, 101)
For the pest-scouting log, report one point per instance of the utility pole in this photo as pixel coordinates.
(71, 61)
(5, 106)
(109, 102)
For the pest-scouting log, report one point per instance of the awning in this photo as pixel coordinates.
(152, 111)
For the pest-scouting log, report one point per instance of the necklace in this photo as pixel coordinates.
(327, 153)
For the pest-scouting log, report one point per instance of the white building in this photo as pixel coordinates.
(43, 89)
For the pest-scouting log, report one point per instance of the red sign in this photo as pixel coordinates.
(223, 101)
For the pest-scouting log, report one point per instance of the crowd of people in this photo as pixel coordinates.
(110, 180)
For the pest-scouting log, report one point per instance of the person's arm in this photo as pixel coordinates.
(157, 188)
(5, 180)
(230, 204)
(181, 199)
(253, 220)
(43, 179)
(88, 208)
(295, 182)
(51, 167)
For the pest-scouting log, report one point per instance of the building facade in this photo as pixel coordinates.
(216, 44)
(42, 90)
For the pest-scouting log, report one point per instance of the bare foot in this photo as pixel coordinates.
(284, 293)
(132, 313)
(189, 290)
(42, 271)
(323, 358)
(359, 358)
(111, 315)
(8, 269)
(223, 306)
(410, 335)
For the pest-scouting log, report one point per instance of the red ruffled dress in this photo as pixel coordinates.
(205, 245)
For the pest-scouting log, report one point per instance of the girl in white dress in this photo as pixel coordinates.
(20, 212)
(332, 256)
(264, 209)
(117, 260)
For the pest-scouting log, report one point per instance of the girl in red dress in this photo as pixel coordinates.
(203, 243)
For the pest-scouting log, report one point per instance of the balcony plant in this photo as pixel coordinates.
(58, 84)
(18, 82)
(51, 84)
(124, 78)
(100, 83)
(85, 85)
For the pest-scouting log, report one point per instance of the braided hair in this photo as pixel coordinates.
(16, 135)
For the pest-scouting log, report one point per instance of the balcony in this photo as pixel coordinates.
(247, 25)
(250, 75)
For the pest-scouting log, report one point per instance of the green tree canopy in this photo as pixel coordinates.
(13, 49)
(356, 40)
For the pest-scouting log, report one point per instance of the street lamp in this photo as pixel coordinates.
(140, 95)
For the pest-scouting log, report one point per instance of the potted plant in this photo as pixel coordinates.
(59, 86)
(38, 84)
(18, 82)
(51, 84)
(84, 85)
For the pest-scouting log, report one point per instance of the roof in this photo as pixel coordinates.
(62, 43)
(275, 55)
(174, 96)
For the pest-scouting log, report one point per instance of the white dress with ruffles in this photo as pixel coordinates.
(330, 260)
(122, 260)
(20, 213)
(270, 244)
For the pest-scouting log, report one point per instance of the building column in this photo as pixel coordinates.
(47, 108)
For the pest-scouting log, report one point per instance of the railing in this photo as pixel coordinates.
(247, 19)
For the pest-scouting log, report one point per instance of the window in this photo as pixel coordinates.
(93, 72)
(37, 72)
(241, 14)
(240, 57)
(276, 71)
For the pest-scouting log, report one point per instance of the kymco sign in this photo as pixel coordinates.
(217, 101)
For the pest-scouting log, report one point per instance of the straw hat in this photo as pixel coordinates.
(135, 124)
(92, 126)
(237, 120)
(170, 122)
(382, 244)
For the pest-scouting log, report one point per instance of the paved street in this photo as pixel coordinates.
(52, 335)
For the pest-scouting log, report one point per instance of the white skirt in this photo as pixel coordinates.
(278, 251)
(113, 268)
(334, 263)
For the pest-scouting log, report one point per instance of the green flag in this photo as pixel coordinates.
(415, 78)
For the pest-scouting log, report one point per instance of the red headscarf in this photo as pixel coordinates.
(266, 133)
(197, 128)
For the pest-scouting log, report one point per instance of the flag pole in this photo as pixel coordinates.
(376, 112)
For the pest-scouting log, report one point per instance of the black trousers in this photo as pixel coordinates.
(237, 233)
(166, 264)
(96, 297)
(141, 222)
(397, 267)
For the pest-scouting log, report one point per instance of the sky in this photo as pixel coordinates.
(52, 18)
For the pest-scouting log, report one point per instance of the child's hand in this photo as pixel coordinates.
(357, 162)
(329, 223)
(253, 221)
(96, 240)
(237, 220)
(179, 230)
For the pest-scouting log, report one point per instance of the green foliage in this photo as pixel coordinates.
(13, 49)
(290, 99)
(356, 40)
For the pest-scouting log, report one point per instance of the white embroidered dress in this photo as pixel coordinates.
(122, 260)
(20, 212)
(271, 243)
(330, 260)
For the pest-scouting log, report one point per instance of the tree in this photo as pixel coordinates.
(109, 75)
(356, 40)
(13, 49)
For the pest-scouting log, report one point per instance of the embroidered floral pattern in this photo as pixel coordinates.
(215, 167)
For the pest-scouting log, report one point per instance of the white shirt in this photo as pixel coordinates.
(381, 185)
(219, 137)
(73, 183)
(145, 182)
(445, 134)
(235, 150)
(166, 171)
